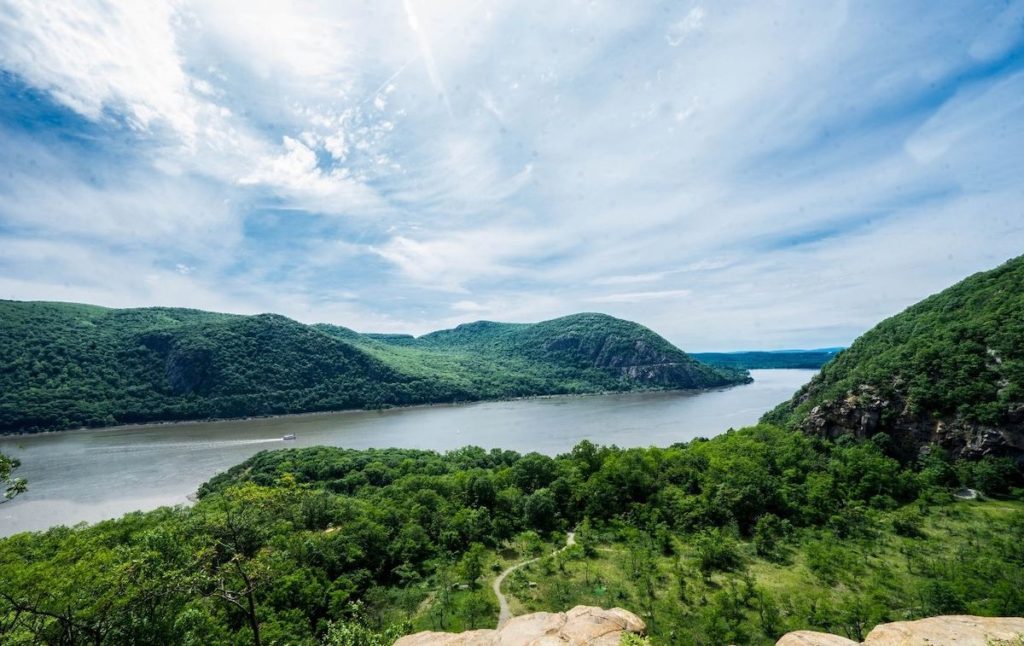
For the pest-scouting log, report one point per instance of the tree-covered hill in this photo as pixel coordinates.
(948, 370)
(66, 365)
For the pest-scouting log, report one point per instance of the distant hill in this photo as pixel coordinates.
(949, 370)
(761, 360)
(66, 365)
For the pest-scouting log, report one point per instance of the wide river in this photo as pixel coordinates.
(90, 475)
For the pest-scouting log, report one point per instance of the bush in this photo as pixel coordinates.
(716, 550)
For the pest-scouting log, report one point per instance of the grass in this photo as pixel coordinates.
(815, 582)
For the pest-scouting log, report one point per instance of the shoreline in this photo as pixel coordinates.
(217, 420)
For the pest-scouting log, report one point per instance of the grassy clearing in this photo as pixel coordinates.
(912, 562)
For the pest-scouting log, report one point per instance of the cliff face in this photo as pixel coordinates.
(948, 370)
(581, 626)
(962, 630)
(865, 412)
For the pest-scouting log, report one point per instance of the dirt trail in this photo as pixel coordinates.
(505, 613)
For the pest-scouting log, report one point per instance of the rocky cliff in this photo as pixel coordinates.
(865, 411)
(583, 625)
(947, 371)
(961, 630)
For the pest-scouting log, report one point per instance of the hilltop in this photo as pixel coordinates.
(948, 370)
(65, 365)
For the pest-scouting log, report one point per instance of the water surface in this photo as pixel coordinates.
(91, 475)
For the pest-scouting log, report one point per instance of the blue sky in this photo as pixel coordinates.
(733, 175)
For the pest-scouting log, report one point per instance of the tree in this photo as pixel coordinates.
(11, 486)
(472, 564)
(540, 509)
(230, 564)
(768, 531)
(475, 607)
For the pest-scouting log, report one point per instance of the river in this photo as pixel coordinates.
(91, 475)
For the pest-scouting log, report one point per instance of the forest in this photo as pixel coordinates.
(956, 354)
(734, 539)
(65, 366)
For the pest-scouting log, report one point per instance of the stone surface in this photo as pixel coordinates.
(583, 625)
(961, 630)
(811, 638)
(865, 412)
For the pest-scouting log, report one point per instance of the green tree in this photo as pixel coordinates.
(472, 564)
(11, 486)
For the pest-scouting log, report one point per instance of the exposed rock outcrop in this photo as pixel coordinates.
(962, 630)
(583, 625)
(946, 371)
(865, 412)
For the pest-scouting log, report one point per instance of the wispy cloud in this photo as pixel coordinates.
(413, 165)
(641, 297)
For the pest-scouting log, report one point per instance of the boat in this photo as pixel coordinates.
(290, 436)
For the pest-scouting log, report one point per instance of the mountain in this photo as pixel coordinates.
(768, 359)
(66, 365)
(949, 371)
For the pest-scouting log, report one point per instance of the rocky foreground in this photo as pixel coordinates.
(581, 625)
(587, 625)
(961, 630)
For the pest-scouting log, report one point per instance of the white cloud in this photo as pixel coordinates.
(679, 31)
(100, 58)
(641, 297)
(468, 306)
(522, 155)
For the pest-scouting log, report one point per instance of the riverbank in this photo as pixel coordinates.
(343, 411)
(94, 474)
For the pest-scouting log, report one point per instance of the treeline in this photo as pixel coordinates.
(310, 545)
(65, 365)
(784, 360)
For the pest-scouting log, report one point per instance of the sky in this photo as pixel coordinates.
(734, 175)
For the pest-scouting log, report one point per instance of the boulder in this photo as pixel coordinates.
(581, 626)
(962, 630)
(811, 638)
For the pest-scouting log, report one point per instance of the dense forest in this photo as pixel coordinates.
(65, 365)
(736, 539)
(775, 360)
(949, 370)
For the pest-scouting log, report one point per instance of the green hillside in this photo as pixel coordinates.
(66, 365)
(948, 370)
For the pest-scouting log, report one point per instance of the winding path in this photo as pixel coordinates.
(505, 612)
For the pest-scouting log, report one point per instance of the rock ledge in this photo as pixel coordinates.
(583, 625)
(962, 630)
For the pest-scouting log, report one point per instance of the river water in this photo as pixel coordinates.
(91, 475)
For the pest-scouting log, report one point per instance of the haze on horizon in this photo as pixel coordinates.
(732, 175)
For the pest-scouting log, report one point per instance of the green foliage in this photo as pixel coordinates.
(304, 545)
(67, 365)
(10, 485)
(716, 550)
(954, 355)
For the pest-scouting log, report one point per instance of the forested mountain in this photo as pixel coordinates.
(65, 365)
(948, 370)
(777, 359)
